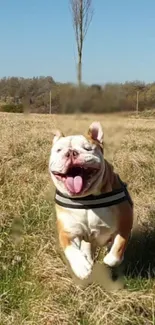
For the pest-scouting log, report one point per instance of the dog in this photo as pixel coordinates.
(93, 206)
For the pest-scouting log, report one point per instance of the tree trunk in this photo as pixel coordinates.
(79, 71)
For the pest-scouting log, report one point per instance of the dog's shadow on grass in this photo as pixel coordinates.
(140, 254)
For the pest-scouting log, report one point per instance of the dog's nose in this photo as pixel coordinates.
(68, 153)
(72, 153)
(75, 153)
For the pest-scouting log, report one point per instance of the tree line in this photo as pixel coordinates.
(37, 94)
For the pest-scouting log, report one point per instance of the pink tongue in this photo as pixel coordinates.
(74, 184)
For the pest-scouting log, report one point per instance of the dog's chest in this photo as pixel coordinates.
(90, 222)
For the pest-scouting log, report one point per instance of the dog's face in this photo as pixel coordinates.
(76, 162)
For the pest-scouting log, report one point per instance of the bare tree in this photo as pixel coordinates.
(82, 13)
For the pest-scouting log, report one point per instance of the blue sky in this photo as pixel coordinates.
(37, 39)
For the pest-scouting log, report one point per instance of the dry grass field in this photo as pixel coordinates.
(35, 286)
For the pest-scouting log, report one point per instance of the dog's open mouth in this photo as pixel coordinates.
(76, 178)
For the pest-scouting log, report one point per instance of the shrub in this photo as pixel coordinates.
(12, 108)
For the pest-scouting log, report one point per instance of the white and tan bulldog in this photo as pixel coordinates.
(93, 206)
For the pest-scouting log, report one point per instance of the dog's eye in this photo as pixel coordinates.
(88, 148)
(58, 150)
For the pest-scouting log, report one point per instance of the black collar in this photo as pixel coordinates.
(94, 201)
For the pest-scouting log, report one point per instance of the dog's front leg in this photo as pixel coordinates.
(116, 253)
(120, 241)
(77, 254)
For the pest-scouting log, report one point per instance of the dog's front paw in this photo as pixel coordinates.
(81, 266)
(112, 260)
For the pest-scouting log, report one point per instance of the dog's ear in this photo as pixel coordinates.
(57, 135)
(95, 132)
